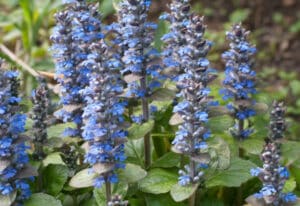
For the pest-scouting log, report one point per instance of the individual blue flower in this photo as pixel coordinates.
(289, 197)
(13, 155)
(239, 83)
(255, 171)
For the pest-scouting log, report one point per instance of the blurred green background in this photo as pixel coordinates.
(25, 27)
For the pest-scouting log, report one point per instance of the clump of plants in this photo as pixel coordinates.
(134, 125)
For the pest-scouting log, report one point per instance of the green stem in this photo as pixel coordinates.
(108, 191)
(239, 195)
(160, 145)
(40, 180)
(146, 116)
(75, 202)
(192, 199)
(181, 161)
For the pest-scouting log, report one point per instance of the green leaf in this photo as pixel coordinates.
(170, 159)
(132, 173)
(90, 202)
(53, 158)
(295, 28)
(137, 131)
(289, 185)
(211, 202)
(161, 200)
(219, 150)
(134, 150)
(180, 193)
(54, 178)
(234, 176)
(106, 8)
(163, 94)
(261, 126)
(291, 152)
(58, 129)
(158, 181)
(252, 146)
(100, 195)
(239, 15)
(295, 87)
(160, 31)
(7, 200)
(175, 119)
(41, 199)
(220, 124)
(83, 179)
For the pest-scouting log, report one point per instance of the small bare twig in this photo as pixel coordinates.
(19, 61)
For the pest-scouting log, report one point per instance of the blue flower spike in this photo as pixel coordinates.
(78, 26)
(41, 103)
(239, 83)
(178, 18)
(272, 174)
(13, 150)
(140, 70)
(190, 139)
(103, 120)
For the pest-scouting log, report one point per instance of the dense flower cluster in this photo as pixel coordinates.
(137, 36)
(103, 115)
(239, 82)
(40, 100)
(13, 154)
(139, 69)
(178, 18)
(272, 174)
(77, 27)
(192, 134)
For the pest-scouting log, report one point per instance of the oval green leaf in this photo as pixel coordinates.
(54, 178)
(137, 131)
(83, 179)
(132, 173)
(234, 176)
(180, 193)
(158, 181)
(41, 199)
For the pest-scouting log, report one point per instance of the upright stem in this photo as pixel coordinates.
(75, 202)
(81, 156)
(239, 196)
(241, 128)
(108, 191)
(192, 199)
(192, 168)
(145, 106)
